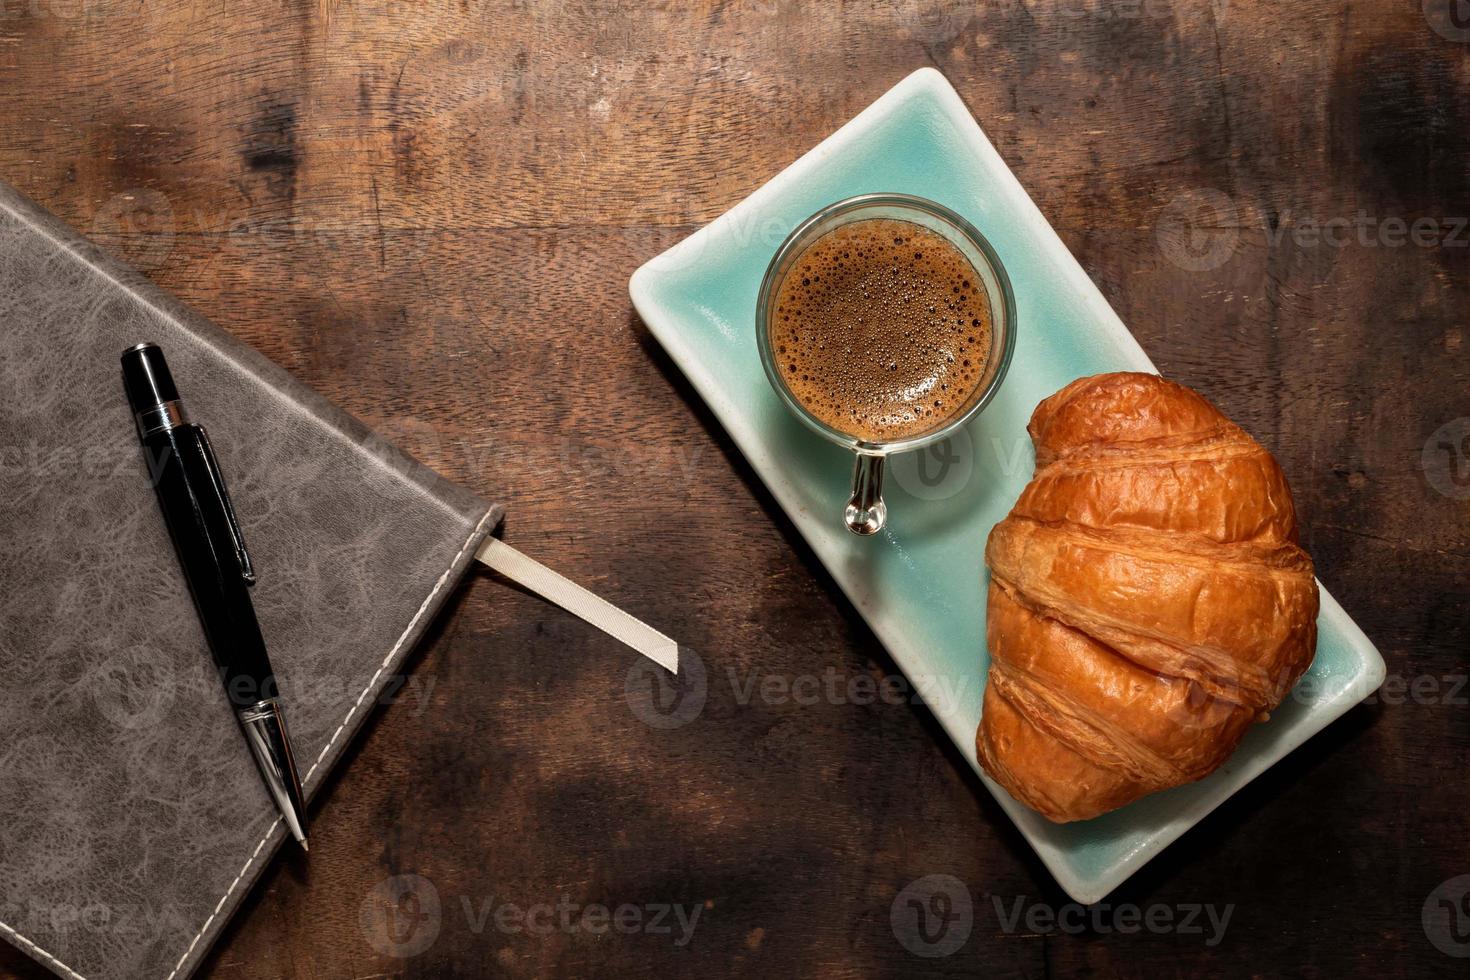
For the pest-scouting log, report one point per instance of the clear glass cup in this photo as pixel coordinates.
(866, 513)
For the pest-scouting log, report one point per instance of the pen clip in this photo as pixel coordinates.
(247, 570)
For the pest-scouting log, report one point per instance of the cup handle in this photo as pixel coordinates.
(866, 511)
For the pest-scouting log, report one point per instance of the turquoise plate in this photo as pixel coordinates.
(920, 583)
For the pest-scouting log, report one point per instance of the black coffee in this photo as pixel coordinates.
(882, 329)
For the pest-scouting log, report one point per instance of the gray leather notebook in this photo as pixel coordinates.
(127, 792)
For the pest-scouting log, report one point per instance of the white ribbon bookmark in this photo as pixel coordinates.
(579, 602)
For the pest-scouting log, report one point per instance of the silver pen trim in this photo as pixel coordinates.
(264, 725)
(161, 417)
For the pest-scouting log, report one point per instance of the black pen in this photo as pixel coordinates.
(206, 535)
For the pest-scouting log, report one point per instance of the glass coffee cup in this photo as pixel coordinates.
(866, 513)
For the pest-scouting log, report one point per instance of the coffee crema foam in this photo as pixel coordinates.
(882, 329)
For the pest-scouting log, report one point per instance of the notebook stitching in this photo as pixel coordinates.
(330, 742)
(43, 954)
(392, 653)
(335, 735)
(96, 269)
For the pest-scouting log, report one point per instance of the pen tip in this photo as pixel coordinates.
(303, 845)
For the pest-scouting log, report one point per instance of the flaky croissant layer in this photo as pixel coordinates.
(1148, 599)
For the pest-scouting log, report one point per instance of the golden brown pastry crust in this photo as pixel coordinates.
(1148, 599)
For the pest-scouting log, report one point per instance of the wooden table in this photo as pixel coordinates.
(430, 212)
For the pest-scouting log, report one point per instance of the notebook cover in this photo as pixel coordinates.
(132, 818)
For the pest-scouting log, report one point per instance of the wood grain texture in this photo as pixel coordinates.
(430, 211)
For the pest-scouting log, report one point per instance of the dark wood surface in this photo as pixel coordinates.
(430, 211)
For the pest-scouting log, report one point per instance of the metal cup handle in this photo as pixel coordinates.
(866, 512)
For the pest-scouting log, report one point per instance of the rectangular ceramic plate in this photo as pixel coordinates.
(920, 584)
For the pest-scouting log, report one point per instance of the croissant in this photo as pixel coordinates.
(1148, 599)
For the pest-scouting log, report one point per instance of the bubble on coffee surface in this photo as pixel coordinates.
(882, 329)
